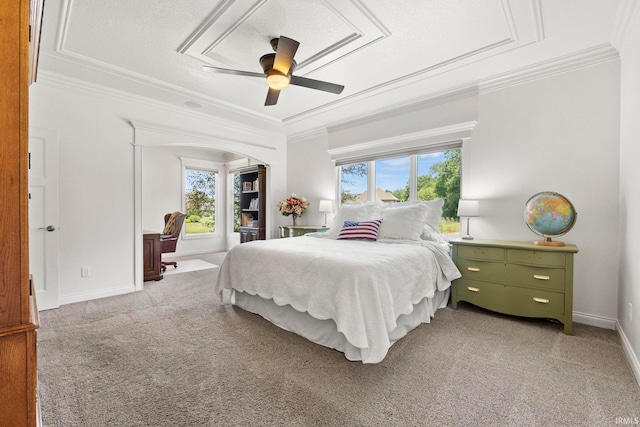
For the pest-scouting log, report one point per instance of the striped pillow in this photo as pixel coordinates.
(364, 230)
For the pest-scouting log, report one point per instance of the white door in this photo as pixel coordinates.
(43, 216)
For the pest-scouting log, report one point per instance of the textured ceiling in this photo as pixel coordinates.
(385, 52)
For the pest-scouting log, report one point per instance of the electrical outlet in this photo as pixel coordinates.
(85, 272)
(630, 312)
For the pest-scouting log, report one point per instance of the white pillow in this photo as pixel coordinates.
(434, 215)
(404, 222)
(428, 233)
(354, 213)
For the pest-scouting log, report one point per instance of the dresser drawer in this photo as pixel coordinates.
(479, 252)
(509, 299)
(537, 277)
(480, 270)
(536, 257)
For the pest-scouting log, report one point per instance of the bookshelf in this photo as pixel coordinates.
(252, 203)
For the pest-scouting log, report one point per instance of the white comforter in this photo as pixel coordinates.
(363, 286)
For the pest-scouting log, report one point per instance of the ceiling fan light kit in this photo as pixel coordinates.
(277, 80)
(278, 68)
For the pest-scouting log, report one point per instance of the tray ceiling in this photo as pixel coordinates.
(384, 52)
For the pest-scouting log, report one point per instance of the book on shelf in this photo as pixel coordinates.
(253, 204)
(246, 220)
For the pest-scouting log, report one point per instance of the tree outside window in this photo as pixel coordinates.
(237, 213)
(438, 176)
(200, 197)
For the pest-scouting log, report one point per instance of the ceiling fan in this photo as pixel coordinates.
(278, 68)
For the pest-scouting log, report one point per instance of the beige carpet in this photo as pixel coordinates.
(172, 355)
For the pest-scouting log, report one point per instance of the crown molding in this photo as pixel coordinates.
(627, 18)
(315, 133)
(582, 59)
(154, 135)
(415, 104)
(98, 66)
(63, 82)
(403, 143)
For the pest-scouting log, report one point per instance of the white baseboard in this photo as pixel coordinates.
(591, 320)
(69, 299)
(633, 358)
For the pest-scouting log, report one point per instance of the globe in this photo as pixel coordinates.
(549, 214)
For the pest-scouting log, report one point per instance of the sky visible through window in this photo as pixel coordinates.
(392, 174)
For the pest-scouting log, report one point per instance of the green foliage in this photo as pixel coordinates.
(201, 194)
(448, 183)
(449, 226)
(200, 201)
(236, 202)
(442, 181)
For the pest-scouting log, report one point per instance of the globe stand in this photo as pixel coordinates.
(548, 242)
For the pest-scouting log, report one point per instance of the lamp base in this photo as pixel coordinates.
(467, 237)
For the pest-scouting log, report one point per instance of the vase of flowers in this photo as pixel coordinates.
(293, 205)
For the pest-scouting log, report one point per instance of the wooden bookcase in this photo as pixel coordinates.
(19, 37)
(253, 181)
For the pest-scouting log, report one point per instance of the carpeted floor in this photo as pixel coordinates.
(172, 355)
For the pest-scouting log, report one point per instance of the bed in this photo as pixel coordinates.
(347, 289)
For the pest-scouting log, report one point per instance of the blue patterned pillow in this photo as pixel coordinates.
(364, 230)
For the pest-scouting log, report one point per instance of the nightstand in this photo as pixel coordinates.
(516, 278)
(299, 230)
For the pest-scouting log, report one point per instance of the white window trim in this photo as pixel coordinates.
(413, 171)
(209, 166)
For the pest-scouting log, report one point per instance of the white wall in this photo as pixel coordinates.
(97, 172)
(630, 194)
(162, 175)
(559, 133)
(311, 159)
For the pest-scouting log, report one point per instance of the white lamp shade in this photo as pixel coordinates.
(325, 206)
(468, 208)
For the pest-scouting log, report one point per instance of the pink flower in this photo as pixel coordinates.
(293, 205)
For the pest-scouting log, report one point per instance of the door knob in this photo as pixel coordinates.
(48, 228)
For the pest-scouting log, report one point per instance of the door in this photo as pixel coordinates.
(43, 216)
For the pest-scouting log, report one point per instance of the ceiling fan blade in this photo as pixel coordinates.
(272, 97)
(316, 84)
(235, 72)
(284, 54)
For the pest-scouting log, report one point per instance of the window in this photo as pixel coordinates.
(392, 180)
(200, 201)
(422, 176)
(237, 213)
(353, 182)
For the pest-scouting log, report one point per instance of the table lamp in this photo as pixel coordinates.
(468, 208)
(325, 206)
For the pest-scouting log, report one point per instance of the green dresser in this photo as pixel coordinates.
(300, 230)
(517, 278)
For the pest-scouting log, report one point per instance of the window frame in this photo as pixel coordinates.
(413, 170)
(204, 166)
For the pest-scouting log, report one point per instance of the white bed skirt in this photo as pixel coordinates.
(325, 332)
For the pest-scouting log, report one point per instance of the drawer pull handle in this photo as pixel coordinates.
(472, 289)
(539, 277)
(475, 269)
(541, 300)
